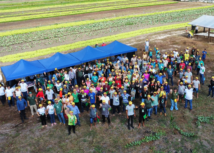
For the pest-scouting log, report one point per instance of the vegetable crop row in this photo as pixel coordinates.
(49, 15)
(178, 13)
(41, 52)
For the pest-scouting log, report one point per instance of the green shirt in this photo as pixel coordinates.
(174, 95)
(50, 86)
(58, 107)
(71, 119)
(32, 100)
(76, 99)
(148, 103)
(99, 65)
(40, 80)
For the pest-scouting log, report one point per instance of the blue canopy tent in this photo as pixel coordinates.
(59, 61)
(89, 54)
(21, 69)
(116, 48)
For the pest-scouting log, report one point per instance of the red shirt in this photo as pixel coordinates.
(106, 88)
(118, 81)
(40, 94)
(103, 79)
(103, 44)
(182, 65)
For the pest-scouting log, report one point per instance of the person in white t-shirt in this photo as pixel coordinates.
(130, 113)
(2, 95)
(9, 95)
(24, 89)
(58, 85)
(147, 45)
(50, 95)
(66, 76)
(41, 114)
(17, 93)
(1, 80)
(50, 112)
(175, 53)
(105, 98)
(196, 86)
(188, 96)
(202, 71)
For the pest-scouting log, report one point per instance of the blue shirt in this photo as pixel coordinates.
(21, 104)
(125, 98)
(160, 78)
(74, 109)
(118, 57)
(170, 72)
(166, 88)
(100, 72)
(92, 97)
(153, 64)
(204, 53)
(94, 79)
(54, 75)
(160, 66)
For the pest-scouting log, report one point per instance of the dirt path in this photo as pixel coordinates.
(96, 15)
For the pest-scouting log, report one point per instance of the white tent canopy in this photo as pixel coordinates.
(204, 21)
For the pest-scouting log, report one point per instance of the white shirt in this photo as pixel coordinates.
(23, 87)
(164, 56)
(50, 109)
(130, 109)
(175, 54)
(165, 63)
(189, 93)
(105, 98)
(2, 91)
(202, 70)
(66, 77)
(58, 86)
(9, 92)
(49, 94)
(41, 111)
(0, 78)
(147, 43)
(18, 93)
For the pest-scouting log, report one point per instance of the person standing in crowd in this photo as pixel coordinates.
(92, 97)
(204, 54)
(196, 86)
(148, 103)
(170, 73)
(2, 95)
(163, 104)
(58, 110)
(50, 112)
(21, 105)
(41, 114)
(105, 111)
(24, 89)
(211, 87)
(142, 114)
(9, 96)
(105, 98)
(72, 76)
(155, 96)
(72, 121)
(32, 102)
(202, 71)
(147, 45)
(125, 97)
(188, 96)
(75, 111)
(75, 94)
(93, 116)
(17, 93)
(130, 113)
(116, 103)
(174, 99)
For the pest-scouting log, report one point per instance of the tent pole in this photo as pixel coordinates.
(209, 35)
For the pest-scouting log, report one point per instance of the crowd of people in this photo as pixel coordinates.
(112, 86)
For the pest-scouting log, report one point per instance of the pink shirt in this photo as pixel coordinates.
(146, 76)
(86, 91)
(98, 88)
(88, 83)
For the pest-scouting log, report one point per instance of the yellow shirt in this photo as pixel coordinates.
(162, 93)
(186, 57)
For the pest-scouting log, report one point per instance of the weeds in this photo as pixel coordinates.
(203, 119)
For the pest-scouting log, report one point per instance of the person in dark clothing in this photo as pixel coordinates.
(162, 104)
(21, 106)
(83, 100)
(142, 114)
(211, 87)
(144, 94)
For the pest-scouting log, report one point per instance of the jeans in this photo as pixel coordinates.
(130, 119)
(84, 106)
(146, 48)
(61, 118)
(124, 106)
(52, 118)
(25, 95)
(22, 115)
(72, 82)
(173, 104)
(155, 108)
(171, 80)
(78, 119)
(33, 107)
(162, 107)
(3, 100)
(92, 120)
(190, 103)
(89, 76)
(202, 78)
(10, 101)
(149, 110)
(211, 89)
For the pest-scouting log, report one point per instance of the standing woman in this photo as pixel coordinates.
(41, 114)
(50, 111)
(142, 114)
(72, 120)
(2, 95)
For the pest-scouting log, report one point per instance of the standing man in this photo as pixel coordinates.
(155, 96)
(21, 105)
(2, 95)
(130, 113)
(24, 89)
(188, 96)
(92, 97)
(202, 71)
(58, 110)
(106, 98)
(76, 112)
(170, 73)
(50, 95)
(204, 54)
(105, 111)
(9, 96)
(148, 103)
(72, 76)
(32, 102)
(147, 45)
(125, 97)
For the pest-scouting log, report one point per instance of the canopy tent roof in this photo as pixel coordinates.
(89, 54)
(116, 48)
(204, 21)
(59, 61)
(21, 69)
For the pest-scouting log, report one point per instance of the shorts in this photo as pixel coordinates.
(93, 120)
(181, 96)
(195, 90)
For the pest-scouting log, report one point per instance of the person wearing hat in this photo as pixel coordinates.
(125, 99)
(9, 95)
(41, 114)
(166, 88)
(118, 80)
(24, 89)
(39, 79)
(158, 56)
(93, 116)
(174, 99)
(58, 86)
(161, 66)
(111, 94)
(50, 112)
(160, 77)
(94, 79)
(130, 113)
(142, 114)
(189, 76)
(189, 67)
(155, 98)
(21, 105)
(32, 103)
(182, 65)
(17, 93)
(75, 111)
(211, 87)
(72, 121)
(148, 103)
(170, 74)
(105, 111)
(106, 87)
(105, 98)
(133, 59)
(50, 85)
(196, 86)
(163, 104)
(200, 62)
(204, 54)
(58, 110)
(40, 95)
(188, 96)
(147, 45)
(132, 88)
(202, 72)
(144, 93)
(2, 94)
(80, 76)
(116, 102)
(92, 97)
(72, 76)
(49, 95)
(83, 97)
